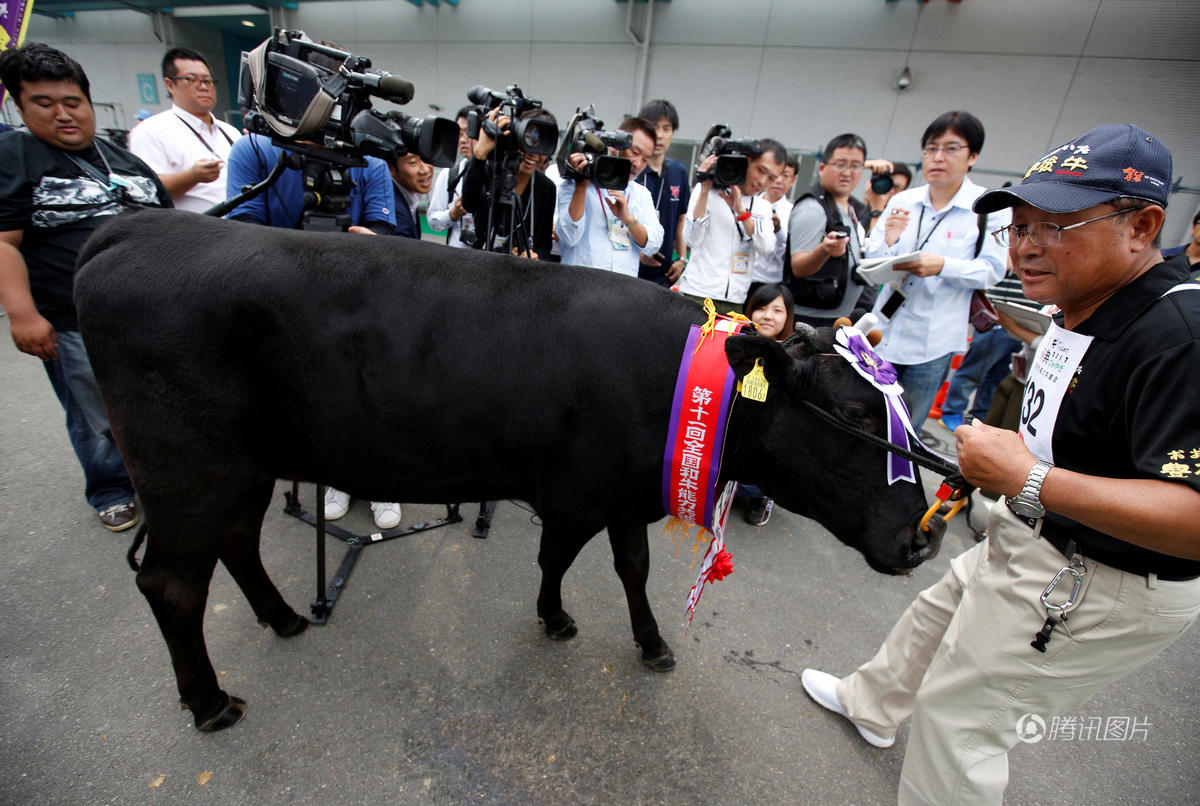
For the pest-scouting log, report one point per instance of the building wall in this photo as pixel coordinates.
(1036, 73)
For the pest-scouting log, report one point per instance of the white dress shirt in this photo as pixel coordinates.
(594, 240)
(769, 268)
(438, 213)
(932, 321)
(175, 140)
(722, 257)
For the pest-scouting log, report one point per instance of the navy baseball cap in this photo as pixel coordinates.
(1107, 163)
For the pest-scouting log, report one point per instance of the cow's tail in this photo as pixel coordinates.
(131, 555)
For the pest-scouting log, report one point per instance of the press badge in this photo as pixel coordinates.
(741, 262)
(618, 234)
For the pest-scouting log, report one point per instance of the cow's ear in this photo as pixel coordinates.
(743, 351)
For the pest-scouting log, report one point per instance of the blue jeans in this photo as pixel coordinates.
(107, 481)
(982, 369)
(921, 383)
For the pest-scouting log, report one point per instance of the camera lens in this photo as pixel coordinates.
(730, 170)
(882, 183)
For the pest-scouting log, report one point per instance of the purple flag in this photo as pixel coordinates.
(14, 19)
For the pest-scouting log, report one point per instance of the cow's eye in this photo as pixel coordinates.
(858, 415)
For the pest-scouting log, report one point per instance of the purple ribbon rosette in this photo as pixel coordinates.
(852, 345)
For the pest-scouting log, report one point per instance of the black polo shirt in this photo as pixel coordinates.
(1131, 409)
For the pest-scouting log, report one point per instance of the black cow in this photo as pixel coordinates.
(231, 355)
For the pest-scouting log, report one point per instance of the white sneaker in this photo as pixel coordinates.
(387, 515)
(337, 503)
(822, 687)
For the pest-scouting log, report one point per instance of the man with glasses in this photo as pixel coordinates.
(826, 235)
(186, 145)
(926, 317)
(1102, 486)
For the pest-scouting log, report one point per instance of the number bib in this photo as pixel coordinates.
(1058, 358)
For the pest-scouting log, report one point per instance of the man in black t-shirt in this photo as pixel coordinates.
(58, 183)
(1091, 566)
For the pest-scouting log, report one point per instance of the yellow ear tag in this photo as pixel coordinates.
(754, 385)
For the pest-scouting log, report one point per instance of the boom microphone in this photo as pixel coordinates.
(390, 87)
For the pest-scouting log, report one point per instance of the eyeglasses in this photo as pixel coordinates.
(194, 81)
(842, 165)
(1043, 233)
(950, 150)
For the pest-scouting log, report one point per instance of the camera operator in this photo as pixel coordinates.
(601, 228)
(446, 210)
(727, 228)
(251, 160)
(881, 189)
(412, 178)
(534, 197)
(769, 269)
(826, 236)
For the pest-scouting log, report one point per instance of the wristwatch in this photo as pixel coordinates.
(1028, 502)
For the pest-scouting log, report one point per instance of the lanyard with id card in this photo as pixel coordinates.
(618, 233)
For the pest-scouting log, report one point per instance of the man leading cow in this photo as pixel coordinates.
(1102, 486)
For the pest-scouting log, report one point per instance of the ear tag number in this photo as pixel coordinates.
(754, 385)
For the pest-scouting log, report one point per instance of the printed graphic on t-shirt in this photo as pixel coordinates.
(59, 201)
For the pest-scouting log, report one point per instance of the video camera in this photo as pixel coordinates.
(733, 157)
(585, 135)
(297, 91)
(534, 137)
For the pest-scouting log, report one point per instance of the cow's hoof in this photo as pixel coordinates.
(230, 715)
(290, 627)
(660, 663)
(560, 628)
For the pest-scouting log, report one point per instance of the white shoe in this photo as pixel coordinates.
(822, 687)
(387, 515)
(337, 503)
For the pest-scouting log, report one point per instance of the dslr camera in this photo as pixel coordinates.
(302, 93)
(586, 135)
(534, 137)
(733, 157)
(882, 183)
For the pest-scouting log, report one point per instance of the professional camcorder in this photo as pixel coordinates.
(296, 91)
(733, 157)
(586, 135)
(526, 134)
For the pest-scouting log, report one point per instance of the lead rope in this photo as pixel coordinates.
(954, 488)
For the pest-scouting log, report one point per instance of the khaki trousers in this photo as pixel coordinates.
(959, 660)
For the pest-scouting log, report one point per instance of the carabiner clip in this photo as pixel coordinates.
(1067, 569)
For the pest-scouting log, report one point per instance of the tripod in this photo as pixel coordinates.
(327, 186)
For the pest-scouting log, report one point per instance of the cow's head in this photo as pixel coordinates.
(815, 469)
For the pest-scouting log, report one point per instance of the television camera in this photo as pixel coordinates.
(314, 101)
(586, 135)
(526, 134)
(733, 157)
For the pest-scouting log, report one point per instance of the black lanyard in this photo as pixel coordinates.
(115, 189)
(204, 142)
(920, 219)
